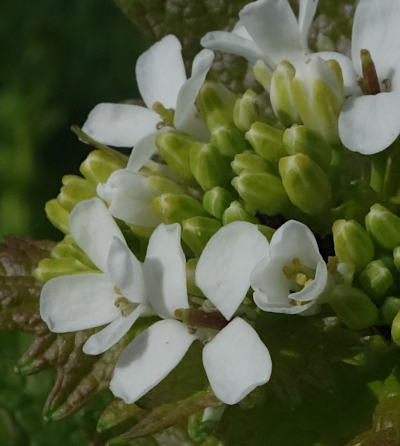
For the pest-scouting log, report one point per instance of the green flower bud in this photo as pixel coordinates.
(192, 288)
(267, 231)
(164, 185)
(216, 200)
(245, 111)
(74, 190)
(196, 232)
(57, 215)
(174, 208)
(396, 329)
(318, 92)
(305, 183)
(396, 257)
(175, 148)
(376, 279)
(236, 212)
(98, 166)
(209, 167)
(228, 140)
(389, 309)
(263, 74)
(281, 94)
(262, 191)
(353, 307)
(384, 226)
(68, 248)
(352, 243)
(50, 268)
(248, 161)
(301, 139)
(266, 141)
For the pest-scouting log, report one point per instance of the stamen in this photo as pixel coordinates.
(124, 305)
(166, 114)
(200, 318)
(371, 82)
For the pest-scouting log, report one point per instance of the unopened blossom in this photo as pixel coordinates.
(235, 360)
(124, 290)
(294, 275)
(369, 123)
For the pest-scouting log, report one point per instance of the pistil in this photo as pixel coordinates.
(371, 81)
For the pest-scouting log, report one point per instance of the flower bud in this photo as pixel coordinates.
(266, 141)
(245, 111)
(318, 92)
(228, 140)
(74, 190)
(384, 226)
(174, 208)
(164, 185)
(353, 307)
(209, 167)
(396, 257)
(389, 309)
(396, 329)
(196, 232)
(305, 183)
(261, 191)
(192, 288)
(175, 148)
(376, 279)
(68, 248)
(301, 139)
(98, 166)
(216, 200)
(248, 161)
(57, 215)
(50, 268)
(281, 93)
(263, 74)
(352, 243)
(236, 212)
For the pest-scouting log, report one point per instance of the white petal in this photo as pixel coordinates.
(240, 30)
(295, 240)
(307, 11)
(142, 152)
(111, 334)
(120, 125)
(349, 75)
(165, 269)
(187, 118)
(369, 124)
(130, 195)
(234, 44)
(224, 268)
(93, 229)
(126, 271)
(274, 28)
(77, 302)
(313, 290)
(149, 358)
(160, 72)
(376, 28)
(236, 361)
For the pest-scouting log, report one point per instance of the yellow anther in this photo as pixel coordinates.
(166, 114)
(124, 306)
(308, 281)
(117, 290)
(301, 279)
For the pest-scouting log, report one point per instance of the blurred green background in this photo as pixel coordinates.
(58, 60)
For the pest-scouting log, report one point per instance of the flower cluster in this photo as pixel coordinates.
(184, 232)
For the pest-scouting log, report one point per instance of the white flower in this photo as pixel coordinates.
(294, 274)
(161, 77)
(236, 361)
(124, 291)
(370, 123)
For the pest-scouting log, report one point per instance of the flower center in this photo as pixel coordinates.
(299, 274)
(370, 81)
(166, 115)
(123, 304)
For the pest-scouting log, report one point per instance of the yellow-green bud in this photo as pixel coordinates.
(196, 232)
(209, 167)
(301, 139)
(164, 185)
(389, 309)
(74, 190)
(174, 208)
(376, 279)
(305, 183)
(175, 148)
(262, 191)
(318, 92)
(396, 329)
(98, 166)
(248, 161)
(353, 307)
(384, 226)
(352, 243)
(68, 248)
(245, 111)
(266, 141)
(396, 257)
(263, 74)
(216, 200)
(192, 289)
(281, 94)
(228, 140)
(58, 216)
(236, 212)
(50, 268)
(267, 231)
